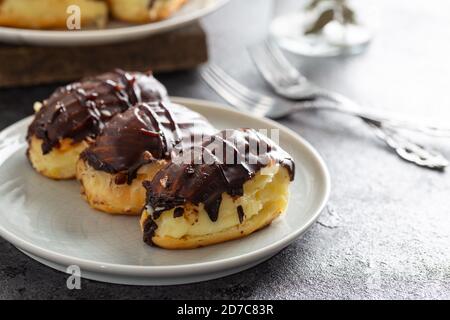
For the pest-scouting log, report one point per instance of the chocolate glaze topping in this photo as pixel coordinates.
(179, 183)
(80, 110)
(241, 213)
(143, 134)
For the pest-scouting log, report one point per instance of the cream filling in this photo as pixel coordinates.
(268, 189)
(60, 162)
(103, 193)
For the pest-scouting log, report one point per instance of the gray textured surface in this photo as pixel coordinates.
(386, 230)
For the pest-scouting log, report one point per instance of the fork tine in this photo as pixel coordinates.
(258, 103)
(239, 88)
(268, 68)
(224, 92)
(280, 59)
(233, 96)
(246, 103)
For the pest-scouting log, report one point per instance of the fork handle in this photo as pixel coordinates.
(340, 103)
(404, 148)
(409, 150)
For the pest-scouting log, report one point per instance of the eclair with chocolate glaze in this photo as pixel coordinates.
(235, 184)
(70, 119)
(132, 148)
(143, 11)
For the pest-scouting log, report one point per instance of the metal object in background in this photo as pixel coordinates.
(288, 82)
(323, 28)
(248, 100)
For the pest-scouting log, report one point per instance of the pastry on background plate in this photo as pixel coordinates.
(70, 119)
(50, 14)
(142, 11)
(209, 200)
(132, 148)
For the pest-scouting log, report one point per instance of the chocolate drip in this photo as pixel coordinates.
(149, 228)
(141, 135)
(241, 213)
(178, 212)
(205, 183)
(80, 110)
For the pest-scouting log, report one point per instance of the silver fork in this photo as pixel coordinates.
(288, 82)
(250, 101)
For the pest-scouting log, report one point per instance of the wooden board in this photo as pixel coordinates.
(30, 65)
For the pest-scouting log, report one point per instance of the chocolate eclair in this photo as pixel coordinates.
(75, 114)
(235, 184)
(132, 148)
(143, 11)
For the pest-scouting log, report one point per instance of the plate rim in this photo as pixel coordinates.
(104, 36)
(211, 266)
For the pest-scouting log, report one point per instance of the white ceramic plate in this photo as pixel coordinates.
(114, 32)
(50, 222)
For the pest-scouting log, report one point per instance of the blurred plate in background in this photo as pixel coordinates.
(114, 32)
